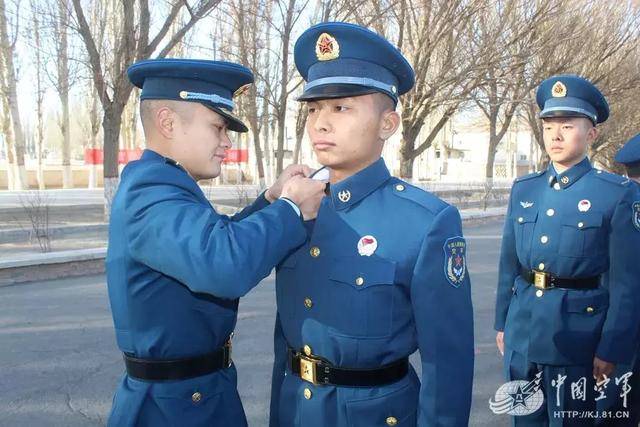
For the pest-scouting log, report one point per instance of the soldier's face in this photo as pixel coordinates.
(203, 142)
(347, 133)
(567, 139)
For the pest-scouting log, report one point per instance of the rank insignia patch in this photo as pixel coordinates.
(327, 48)
(636, 215)
(455, 260)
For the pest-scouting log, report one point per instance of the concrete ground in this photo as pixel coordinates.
(60, 365)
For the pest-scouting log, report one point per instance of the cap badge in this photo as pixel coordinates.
(559, 90)
(327, 48)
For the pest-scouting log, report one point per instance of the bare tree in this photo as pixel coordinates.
(35, 16)
(15, 140)
(516, 31)
(434, 35)
(130, 43)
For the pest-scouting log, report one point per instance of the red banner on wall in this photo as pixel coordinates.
(95, 156)
(237, 156)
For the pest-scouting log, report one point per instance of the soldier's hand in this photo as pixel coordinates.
(500, 342)
(602, 369)
(275, 191)
(306, 193)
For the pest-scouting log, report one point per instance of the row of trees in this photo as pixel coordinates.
(482, 54)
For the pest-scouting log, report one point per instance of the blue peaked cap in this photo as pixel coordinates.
(629, 154)
(211, 83)
(569, 95)
(338, 59)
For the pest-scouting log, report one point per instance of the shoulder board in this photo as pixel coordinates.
(529, 176)
(417, 195)
(612, 177)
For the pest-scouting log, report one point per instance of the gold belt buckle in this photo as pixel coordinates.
(540, 279)
(308, 369)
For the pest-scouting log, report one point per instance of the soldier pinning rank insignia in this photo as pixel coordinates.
(175, 267)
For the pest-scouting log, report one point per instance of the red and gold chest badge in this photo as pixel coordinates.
(327, 47)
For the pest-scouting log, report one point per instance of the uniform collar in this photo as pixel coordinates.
(351, 190)
(571, 175)
(148, 154)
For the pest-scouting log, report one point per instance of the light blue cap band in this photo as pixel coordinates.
(360, 81)
(213, 98)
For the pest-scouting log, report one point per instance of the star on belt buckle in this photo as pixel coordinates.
(540, 280)
(308, 367)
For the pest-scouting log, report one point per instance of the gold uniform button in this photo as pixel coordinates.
(308, 303)
(392, 421)
(551, 212)
(315, 252)
(564, 179)
(539, 293)
(400, 187)
(307, 393)
(196, 397)
(589, 309)
(521, 220)
(541, 266)
(556, 186)
(359, 281)
(307, 350)
(580, 224)
(544, 239)
(184, 94)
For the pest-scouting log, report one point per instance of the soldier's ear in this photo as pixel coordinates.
(165, 120)
(390, 124)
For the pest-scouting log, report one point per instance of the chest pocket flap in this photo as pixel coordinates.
(362, 272)
(583, 220)
(525, 216)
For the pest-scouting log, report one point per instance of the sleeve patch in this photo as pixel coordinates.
(455, 260)
(636, 215)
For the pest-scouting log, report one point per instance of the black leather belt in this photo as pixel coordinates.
(318, 371)
(543, 280)
(178, 369)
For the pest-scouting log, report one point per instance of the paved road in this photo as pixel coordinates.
(60, 365)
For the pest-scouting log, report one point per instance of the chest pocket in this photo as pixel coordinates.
(582, 235)
(363, 295)
(525, 222)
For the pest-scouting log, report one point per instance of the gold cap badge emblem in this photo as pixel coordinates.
(559, 90)
(327, 48)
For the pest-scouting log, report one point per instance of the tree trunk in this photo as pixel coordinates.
(407, 154)
(63, 90)
(11, 95)
(95, 128)
(111, 136)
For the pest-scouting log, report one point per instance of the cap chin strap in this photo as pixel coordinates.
(213, 98)
(360, 81)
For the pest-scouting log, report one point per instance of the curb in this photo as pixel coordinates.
(55, 265)
(27, 268)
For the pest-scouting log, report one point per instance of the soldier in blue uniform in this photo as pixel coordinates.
(568, 279)
(175, 267)
(629, 156)
(383, 271)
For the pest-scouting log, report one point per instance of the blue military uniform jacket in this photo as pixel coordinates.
(577, 224)
(360, 308)
(175, 271)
